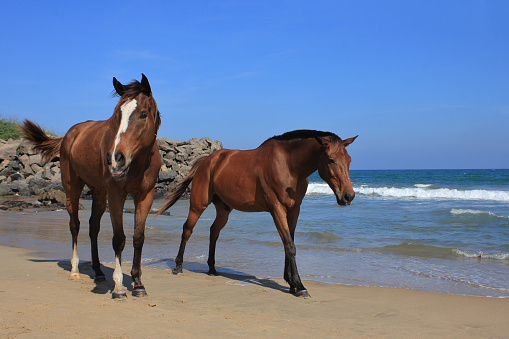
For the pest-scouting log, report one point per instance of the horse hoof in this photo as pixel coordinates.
(74, 276)
(139, 291)
(212, 273)
(100, 279)
(118, 295)
(177, 270)
(302, 294)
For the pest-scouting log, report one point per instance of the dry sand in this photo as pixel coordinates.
(38, 300)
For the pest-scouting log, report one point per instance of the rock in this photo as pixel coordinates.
(5, 189)
(35, 159)
(53, 197)
(25, 148)
(36, 168)
(168, 175)
(15, 205)
(19, 187)
(8, 150)
(163, 145)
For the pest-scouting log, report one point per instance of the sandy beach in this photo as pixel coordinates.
(39, 300)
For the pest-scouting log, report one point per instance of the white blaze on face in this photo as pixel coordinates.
(127, 109)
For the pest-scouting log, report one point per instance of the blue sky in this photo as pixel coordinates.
(425, 84)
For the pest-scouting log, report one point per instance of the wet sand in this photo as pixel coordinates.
(39, 300)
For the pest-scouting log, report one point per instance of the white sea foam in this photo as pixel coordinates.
(418, 192)
(424, 185)
(441, 193)
(319, 188)
(481, 255)
(460, 211)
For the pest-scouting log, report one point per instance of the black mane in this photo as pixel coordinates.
(303, 134)
(132, 89)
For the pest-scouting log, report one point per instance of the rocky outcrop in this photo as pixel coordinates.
(178, 158)
(22, 171)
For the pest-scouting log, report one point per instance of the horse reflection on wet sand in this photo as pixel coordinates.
(114, 158)
(270, 178)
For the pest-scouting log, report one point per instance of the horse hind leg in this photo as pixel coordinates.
(73, 191)
(98, 208)
(194, 214)
(222, 213)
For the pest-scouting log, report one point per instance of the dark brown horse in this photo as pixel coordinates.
(271, 178)
(114, 158)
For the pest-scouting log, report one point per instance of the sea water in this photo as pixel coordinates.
(433, 230)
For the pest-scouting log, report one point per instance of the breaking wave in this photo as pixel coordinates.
(468, 211)
(418, 192)
(481, 255)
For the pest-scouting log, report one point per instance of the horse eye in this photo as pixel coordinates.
(143, 114)
(331, 161)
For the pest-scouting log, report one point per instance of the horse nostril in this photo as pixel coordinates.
(349, 197)
(120, 159)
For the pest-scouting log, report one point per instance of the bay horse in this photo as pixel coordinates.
(271, 178)
(114, 158)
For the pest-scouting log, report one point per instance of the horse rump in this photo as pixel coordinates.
(178, 190)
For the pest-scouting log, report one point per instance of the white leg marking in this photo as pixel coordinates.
(75, 274)
(117, 275)
(127, 109)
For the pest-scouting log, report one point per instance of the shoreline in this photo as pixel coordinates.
(39, 299)
(163, 235)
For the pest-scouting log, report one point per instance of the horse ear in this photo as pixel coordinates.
(119, 88)
(349, 140)
(145, 85)
(323, 142)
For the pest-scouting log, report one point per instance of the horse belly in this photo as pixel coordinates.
(240, 193)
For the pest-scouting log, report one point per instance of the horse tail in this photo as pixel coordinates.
(49, 147)
(180, 188)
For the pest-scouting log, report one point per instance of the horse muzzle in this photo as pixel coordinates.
(345, 199)
(117, 166)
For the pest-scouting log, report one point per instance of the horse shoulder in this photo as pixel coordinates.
(279, 178)
(154, 166)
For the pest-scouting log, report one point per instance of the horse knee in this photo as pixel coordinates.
(290, 250)
(93, 232)
(118, 242)
(138, 240)
(74, 227)
(186, 232)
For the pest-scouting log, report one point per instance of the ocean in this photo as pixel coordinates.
(443, 231)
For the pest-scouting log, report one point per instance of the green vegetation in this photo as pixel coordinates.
(10, 129)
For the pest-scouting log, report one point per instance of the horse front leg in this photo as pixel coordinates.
(142, 208)
(286, 233)
(116, 202)
(98, 208)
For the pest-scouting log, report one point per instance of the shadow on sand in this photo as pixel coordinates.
(237, 277)
(105, 287)
(85, 268)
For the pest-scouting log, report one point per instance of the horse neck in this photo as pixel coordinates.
(304, 156)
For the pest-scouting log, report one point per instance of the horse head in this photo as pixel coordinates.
(134, 123)
(334, 166)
